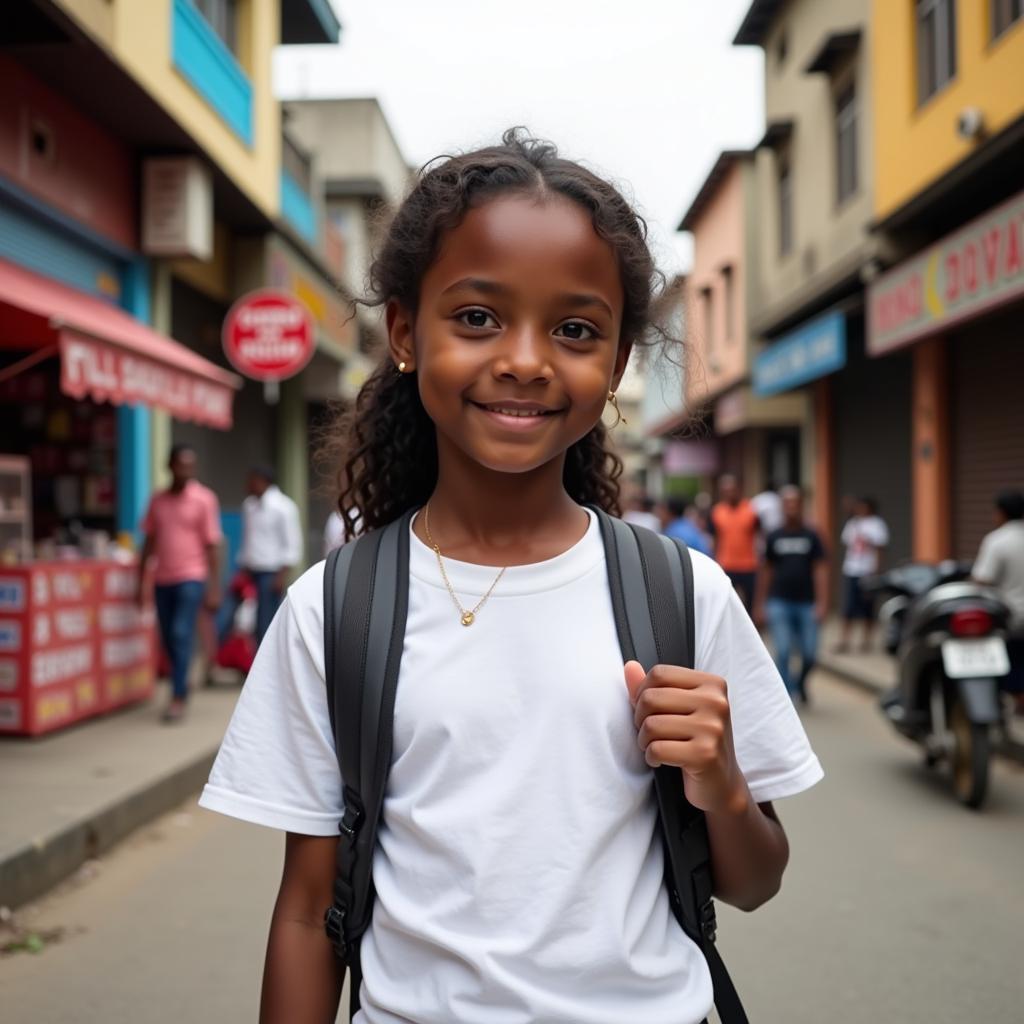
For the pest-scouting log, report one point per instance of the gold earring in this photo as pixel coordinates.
(619, 418)
(401, 367)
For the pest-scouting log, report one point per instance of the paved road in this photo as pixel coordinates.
(898, 906)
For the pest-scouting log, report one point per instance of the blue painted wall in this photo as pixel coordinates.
(297, 208)
(211, 68)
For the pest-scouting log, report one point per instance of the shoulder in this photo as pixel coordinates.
(204, 494)
(712, 590)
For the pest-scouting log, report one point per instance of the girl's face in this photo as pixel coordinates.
(516, 339)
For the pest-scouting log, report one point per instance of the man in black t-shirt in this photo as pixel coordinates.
(793, 591)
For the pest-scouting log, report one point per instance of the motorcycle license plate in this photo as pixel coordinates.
(975, 659)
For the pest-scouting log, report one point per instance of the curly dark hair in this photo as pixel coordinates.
(387, 442)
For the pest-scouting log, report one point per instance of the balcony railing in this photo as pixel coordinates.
(211, 68)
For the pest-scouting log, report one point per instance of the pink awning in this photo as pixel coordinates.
(108, 355)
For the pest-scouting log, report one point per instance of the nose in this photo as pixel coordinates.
(524, 356)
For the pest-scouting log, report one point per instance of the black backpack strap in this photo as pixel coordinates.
(366, 599)
(651, 583)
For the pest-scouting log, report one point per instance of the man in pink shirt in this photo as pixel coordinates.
(183, 536)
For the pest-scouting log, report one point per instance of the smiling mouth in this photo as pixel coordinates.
(516, 417)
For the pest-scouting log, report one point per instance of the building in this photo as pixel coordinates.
(813, 187)
(147, 165)
(756, 438)
(948, 144)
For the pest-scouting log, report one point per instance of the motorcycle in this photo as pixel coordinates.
(948, 635)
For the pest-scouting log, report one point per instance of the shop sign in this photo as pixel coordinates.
(268, 335)
(105, 373)
(12, 595)
(690, 458)
(177, 207)
(973, 270)
(813, 350)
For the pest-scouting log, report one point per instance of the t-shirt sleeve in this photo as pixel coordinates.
(772, 748)
(817, 547)
(849, 529)
(769, 548)
(211, 521)
(277, 765)
(986, 566)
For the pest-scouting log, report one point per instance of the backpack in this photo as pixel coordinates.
(366, 592)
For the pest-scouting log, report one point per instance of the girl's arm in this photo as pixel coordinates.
(302, 977)
(749, 853)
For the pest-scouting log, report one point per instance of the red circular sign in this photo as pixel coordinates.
(268, 335)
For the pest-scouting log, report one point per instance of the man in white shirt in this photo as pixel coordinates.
(1000, 563)
(865, 536)
(271, 543)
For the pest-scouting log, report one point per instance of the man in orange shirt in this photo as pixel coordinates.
(734, 528)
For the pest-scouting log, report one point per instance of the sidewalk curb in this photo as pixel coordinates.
(1009, 748)
(40, 865)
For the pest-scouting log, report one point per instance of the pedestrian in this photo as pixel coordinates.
(768, 506)
(271, 548)
(734, 532)
(682, 524)
(641, 512)
(1000, 563)
(865, 535)
(793, 592)
(517, 875)
(183, 538)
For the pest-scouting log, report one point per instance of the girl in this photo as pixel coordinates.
(518, 873)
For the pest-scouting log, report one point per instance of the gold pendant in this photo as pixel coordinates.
(468, 618)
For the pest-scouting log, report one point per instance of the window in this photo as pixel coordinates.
(296, 163)
(709, 319)
(785, 185)
(1004, 14)
(936, 45)
(728, 299)
(846, 142)
(222, 17)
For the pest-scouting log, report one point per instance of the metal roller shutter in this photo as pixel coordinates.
(987, 384)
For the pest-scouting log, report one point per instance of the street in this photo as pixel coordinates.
(899, 905)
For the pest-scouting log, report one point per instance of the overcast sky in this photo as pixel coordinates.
(646, 91)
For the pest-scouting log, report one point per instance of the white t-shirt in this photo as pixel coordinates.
(768, 506)
(1000, 562)
(863, 536)
(519, 870)
(271, 534)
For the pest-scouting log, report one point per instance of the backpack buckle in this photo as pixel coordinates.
(334, 926)
(350, 821)
(708, 921)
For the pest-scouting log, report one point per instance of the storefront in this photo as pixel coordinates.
(72, 641)
(953, 314)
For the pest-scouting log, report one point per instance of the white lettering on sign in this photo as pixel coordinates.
(118, 618)
(70, 586)
(72, 623)
(54, 666)
(125, 651)
(10, 635)
(40, 588)
(119, 583)
(12, 594)
(41, 631)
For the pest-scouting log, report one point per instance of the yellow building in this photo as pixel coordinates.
(948, 81)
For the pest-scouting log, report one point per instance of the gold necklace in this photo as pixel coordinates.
(466, 616)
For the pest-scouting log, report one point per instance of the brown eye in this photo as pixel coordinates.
(478, 318)
(575, 330)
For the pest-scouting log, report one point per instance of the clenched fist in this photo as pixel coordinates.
(682, 719)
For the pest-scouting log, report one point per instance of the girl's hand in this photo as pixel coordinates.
(682, 717)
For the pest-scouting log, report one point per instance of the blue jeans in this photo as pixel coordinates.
(793, 625)
(177, 605)
(268, 600)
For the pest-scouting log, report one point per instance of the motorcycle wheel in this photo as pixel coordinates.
(972, 750)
